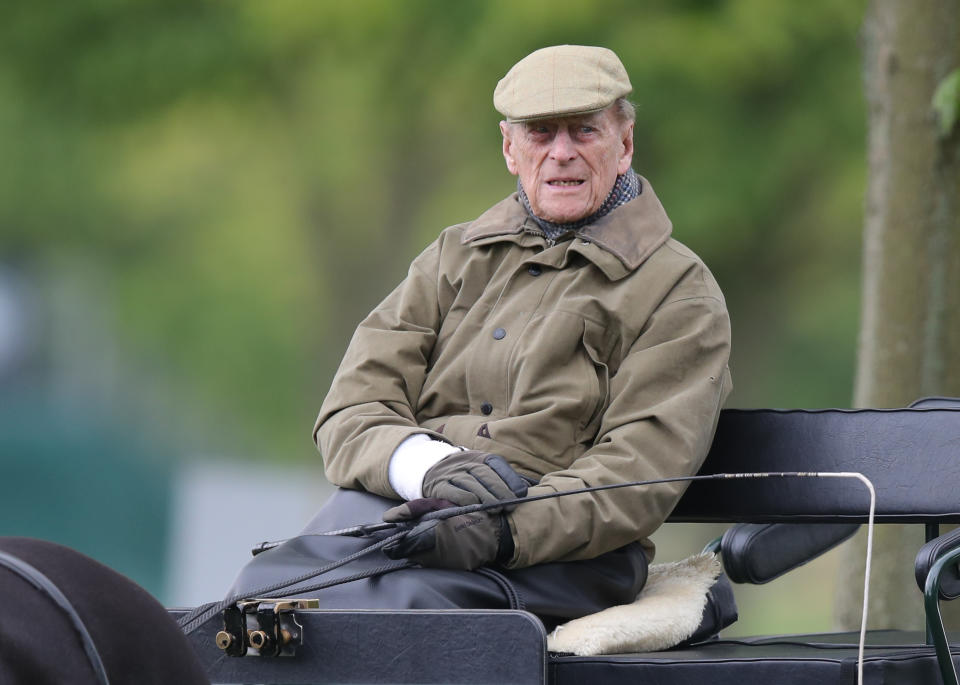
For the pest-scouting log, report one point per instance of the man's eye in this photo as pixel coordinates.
(587, 129)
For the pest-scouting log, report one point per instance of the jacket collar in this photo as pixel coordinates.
(617, 243)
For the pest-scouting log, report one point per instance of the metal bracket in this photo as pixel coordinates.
(931, 600)
(263, 627)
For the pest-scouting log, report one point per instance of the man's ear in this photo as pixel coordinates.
(626, 158)
(506, 132)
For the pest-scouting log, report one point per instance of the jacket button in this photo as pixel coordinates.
(499, 334)
(534, 270)
(486, 408)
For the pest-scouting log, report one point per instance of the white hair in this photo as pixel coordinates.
(625, 110)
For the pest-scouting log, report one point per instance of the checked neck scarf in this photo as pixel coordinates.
(626, 187)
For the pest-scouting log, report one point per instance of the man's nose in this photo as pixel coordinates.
(562, 149)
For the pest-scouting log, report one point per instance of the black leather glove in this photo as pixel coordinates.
(473, 477)
(467, 541)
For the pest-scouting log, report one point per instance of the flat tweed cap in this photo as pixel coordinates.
(560, 81)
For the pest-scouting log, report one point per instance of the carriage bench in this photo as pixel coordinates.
(912, 457)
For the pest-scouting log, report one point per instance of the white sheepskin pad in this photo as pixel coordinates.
(665, 613)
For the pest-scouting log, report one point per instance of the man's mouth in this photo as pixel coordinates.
(565, 182)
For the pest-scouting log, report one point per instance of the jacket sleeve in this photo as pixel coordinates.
(370, 407)
(665, 399)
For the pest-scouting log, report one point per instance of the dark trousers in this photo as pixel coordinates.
(555, 592)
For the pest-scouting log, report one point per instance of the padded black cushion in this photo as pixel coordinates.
(908, 454)
(759, 552)
(933, 402)
(797, 660)
(929, 553)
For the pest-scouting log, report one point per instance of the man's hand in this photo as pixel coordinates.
(467, 541)
(473, 477)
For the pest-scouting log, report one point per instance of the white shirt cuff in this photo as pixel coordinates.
(412, 459)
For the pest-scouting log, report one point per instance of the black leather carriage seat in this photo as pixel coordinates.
(913, 458)
(787, 660)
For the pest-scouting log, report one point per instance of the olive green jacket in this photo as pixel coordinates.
(596, 360)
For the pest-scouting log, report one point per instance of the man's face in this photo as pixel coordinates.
(568, 165)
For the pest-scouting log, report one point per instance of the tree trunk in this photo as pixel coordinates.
(910, 314)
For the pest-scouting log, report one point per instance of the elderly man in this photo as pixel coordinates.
(560, 340)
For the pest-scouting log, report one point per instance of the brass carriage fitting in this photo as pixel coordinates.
(277, 633)
(224, 639)
(258, 638)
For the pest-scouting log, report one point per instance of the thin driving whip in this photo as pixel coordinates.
(456, 511)
(366, 529)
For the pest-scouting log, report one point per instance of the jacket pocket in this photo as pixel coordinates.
(600, 380)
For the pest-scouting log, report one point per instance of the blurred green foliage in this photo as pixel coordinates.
(249, 178)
